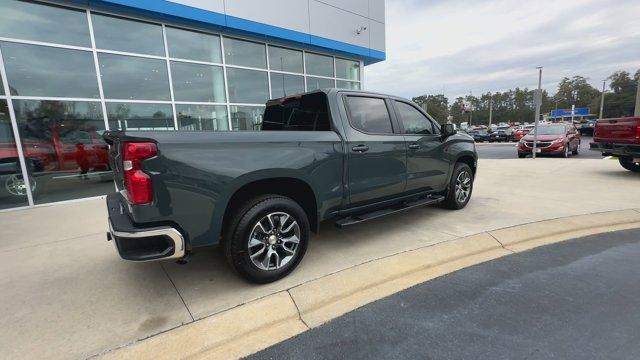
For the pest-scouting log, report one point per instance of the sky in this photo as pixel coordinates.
(455, 47)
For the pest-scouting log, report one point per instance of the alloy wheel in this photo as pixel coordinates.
(15, 185)
(274, 241)
(463, 186)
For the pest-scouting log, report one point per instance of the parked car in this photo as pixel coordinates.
(587, 127)
(479, 135)
(556, 139)
(324, 155)
(619, 137)
(520, 132)
(498, 136)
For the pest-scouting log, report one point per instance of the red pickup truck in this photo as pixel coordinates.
(619, 137)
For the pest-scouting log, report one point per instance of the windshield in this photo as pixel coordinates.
(549, 130)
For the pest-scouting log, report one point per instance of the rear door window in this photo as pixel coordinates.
(369, 115)
(308, 112)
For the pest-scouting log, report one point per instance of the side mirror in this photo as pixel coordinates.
(447, 130)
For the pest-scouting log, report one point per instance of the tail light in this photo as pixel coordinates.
(137, 183)
(638, 132)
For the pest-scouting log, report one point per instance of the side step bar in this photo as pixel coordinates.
(355, 219)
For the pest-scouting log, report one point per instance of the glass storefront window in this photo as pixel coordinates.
(202, 117)
(113, 33)
(246, 117)
(347, 69)
(62, 143)
(284, 85)
(46, 23)
(320, 65)
(137, 116)
(129, 77)
(34, 70)
(351, 85)
(13, 191)
(245, 53)
(282, 59)
(314, 83)
(195, 82)
(247, 86)
(191, 45)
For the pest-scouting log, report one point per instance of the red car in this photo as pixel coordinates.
(557, 139)
(521, 132)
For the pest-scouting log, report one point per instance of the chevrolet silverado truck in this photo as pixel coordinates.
(619, 137)
(346, 156)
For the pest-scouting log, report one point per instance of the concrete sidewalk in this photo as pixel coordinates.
(67, 294)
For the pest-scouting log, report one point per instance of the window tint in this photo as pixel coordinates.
(246, 117)
(128, 77)
(136, 116)
(314, 83)
(39, 22)
(369, 115)
(247, 86)
(308, 112)
(282, 59)
(202, 117)
(347, 69)
(245, 53)
(285, 84)
(192, 45)
(112, 33)
(34, 70)
(195, 82)
(351, 85)
(413, 121)
(320, 65)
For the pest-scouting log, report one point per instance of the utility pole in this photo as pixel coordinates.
(538, 101)
(637, 110)
(602, 99)
(490, 109)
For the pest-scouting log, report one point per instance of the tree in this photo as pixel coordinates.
(621, 101)
(437, 106)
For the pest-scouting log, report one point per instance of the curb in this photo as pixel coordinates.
(256, 325)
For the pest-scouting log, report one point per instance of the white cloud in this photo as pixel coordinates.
(458, 46)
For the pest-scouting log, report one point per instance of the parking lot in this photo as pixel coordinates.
(65, 285)
(507, 150)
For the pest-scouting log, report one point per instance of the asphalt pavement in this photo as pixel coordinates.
(573, 300)
(508, 150)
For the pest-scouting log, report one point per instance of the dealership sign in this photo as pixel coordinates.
(583, 111)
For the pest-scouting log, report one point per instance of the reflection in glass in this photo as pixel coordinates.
(112, 33)
(1, 86)
(246, 117)
(245, 53)
(13, 191)
(320, 65)
(129, 77)
(247, 86)
(39, 22)
(195, 82)
(34, 70)
(347, 69)
(184, 44)
(351, 85)
(62, 143)
(136, 116)
(202, 117)
(282, 59)
(284, 85)
(314, 83)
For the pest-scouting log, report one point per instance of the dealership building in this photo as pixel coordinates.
(69, 70)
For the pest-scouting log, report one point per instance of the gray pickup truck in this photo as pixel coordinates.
(348, 156)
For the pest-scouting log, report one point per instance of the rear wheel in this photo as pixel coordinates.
(460, 187)
(267, 238)
(627, 163)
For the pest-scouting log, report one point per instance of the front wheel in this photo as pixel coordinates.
(627, 163)
(460, 187)
(267, 238)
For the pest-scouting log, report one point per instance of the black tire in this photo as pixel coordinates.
(577, 150)
(522, 156)
(240, 228)
(627, 163)
(451, 201)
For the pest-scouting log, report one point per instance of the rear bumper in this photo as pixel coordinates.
(137, 243)
(608, 149)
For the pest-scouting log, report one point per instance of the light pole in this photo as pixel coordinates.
(538, 101)
(602, 99)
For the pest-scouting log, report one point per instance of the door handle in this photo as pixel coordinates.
(414, 146)
(360, 148)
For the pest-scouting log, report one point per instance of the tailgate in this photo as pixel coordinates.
(618, 131)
